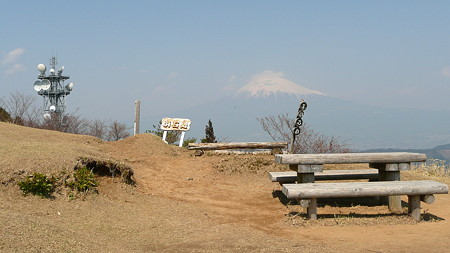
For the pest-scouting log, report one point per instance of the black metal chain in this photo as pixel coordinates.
(298, 123)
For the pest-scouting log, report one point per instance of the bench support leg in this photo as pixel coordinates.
(312, 210)
(395, 202)
(414, 207)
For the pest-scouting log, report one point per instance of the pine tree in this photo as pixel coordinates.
(4, 116)
(209, 134)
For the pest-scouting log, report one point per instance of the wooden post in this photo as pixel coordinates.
(312, 209)
(395, 202)
(305, 178)
(390, 172)
(302, 177)
(137, 116)
(414, 206)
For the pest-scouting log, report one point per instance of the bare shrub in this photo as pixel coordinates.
(117, 131)
(69, 123)
(279, 128)
(20, 107)
(75, 124)
(98, 128)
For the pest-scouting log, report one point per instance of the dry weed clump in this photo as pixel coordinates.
(433, 167)
(237, 164)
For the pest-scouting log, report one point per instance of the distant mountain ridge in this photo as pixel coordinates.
(441, 152)
(234, 117)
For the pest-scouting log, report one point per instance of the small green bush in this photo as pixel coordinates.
(38, 184)
(84, 180)
(189, 140)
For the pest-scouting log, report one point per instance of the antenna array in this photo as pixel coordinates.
(51, 88)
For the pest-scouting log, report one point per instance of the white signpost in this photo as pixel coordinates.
(175, 124)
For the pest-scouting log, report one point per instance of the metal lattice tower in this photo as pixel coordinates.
(51, 88)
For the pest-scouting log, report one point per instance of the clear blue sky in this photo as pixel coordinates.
(175, 54)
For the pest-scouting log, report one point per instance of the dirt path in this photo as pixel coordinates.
(184, 203)
(246, 199)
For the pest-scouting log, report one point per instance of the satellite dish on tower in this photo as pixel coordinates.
(37, 85)
(41, 67)
(52, 88)
(45, 84)
(69, 86)
(60, 70)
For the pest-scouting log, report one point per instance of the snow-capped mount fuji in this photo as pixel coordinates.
(270, 83)
(234, 117)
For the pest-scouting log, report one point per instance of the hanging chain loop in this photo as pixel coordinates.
(298, 123)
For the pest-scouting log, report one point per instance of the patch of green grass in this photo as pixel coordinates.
(84, 180)
(38, 184)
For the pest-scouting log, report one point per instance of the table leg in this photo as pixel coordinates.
(305, 178)
(395, 202)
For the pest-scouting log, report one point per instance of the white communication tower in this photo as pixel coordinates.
(51, 88)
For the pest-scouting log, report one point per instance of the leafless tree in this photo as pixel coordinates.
(309, 141)
(34, 118)
(23, 111)
(73, 123)
(117, 131)
(98, 129)
(19, 106)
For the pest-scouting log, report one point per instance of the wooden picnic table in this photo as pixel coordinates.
(389, 166)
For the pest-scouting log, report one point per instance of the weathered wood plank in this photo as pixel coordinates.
(342, 158)
(291, 176)
(237, 145)
(363, 189)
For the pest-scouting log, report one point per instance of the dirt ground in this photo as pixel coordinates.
(183, 203)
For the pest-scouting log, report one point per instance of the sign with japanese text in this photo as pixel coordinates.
(175, 124)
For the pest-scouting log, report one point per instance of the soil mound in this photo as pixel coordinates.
(28, 150)
(142, 146)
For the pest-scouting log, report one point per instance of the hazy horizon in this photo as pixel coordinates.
(182, 54)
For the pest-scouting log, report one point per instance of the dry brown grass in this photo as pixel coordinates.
(24, 151)
(436, 170)
(214, 203)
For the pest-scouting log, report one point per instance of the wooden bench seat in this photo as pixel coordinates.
(388, 164)
(415, 190)
(276, 147)
(291, 176)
